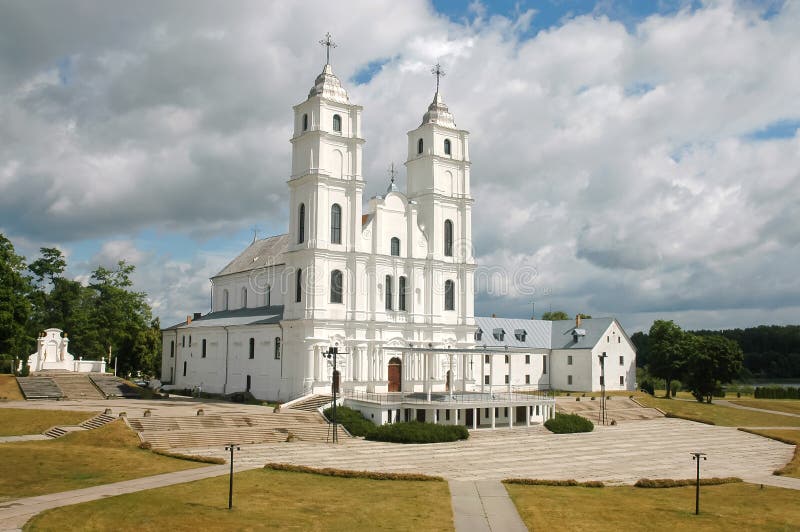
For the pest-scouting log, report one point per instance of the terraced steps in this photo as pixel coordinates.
(97, 421)
(55, 432)
(618, 409)
(39, 388)
(113, 386)
(312, 403)
(77, 386)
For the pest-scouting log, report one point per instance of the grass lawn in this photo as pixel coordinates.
(726, 507)
(718, 414)
(16, 421)
(792, 406)
(78, 460)
(266, 500)
(792, 469)
(9, 389)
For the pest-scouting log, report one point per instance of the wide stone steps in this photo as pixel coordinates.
(77, 386)
(97, 421)
(211, 438)
(113, 386)
(39, 388)
(311, 404)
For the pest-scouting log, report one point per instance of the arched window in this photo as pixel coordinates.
(267, 295)
(252, 348)
(388, 292)
(448, 238)
(395, 247)
(447, 146)
(401, 293)
(244, 297)
(449, 295)
(419, 146)
(305, 122)
(277, 348)
(301, 224)
(225, 300)
(298, 286)
(337, 123)
(336, 224)
(336, 286)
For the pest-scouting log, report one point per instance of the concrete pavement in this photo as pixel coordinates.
(483, 506)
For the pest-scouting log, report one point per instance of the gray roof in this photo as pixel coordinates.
(242, 316)
(261, 253)
(542, 334)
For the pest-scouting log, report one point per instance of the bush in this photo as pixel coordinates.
(544, 482)
(352, 420)
(777, 392)
(568, 424)
(347, 473)
(647, 386)
(416, 432)
(674, 388)
(671, 483)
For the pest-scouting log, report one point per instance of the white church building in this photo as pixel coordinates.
(391, 287)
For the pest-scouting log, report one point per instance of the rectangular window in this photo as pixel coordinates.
(621, 380)
(619, 339)
(506, 379)
(172, 348)
(569, 379)
(621, 360)
(608, 339)
(505, 412)
(203, 349)
(486, 413)
(277, 348)
(496, 412)
(388, 290)
(527, 359)
(190, 340)
(544, 365)
(527, 379)
(569, 360)
(401, 294)
(486, 379)
(252, 348)
(447, 415)
(486, 359)
(183, 341)
(506, 359)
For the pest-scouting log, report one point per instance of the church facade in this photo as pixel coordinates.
(392, 288)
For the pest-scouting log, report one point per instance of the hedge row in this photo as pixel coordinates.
(568, 424)
(352, 420)
(544, 482)
(417, 432)
(347, 473)
(777, 392)
(672, 483)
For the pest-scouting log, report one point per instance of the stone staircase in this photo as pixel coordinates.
(240, 428)
(618, 409)
(97, 421)
(55, 432)
(77, 386)
(39, 388)
(112, 386)
(311, 403)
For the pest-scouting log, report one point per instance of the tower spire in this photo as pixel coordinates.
(392, 175)
(328, 43)
(437, 71)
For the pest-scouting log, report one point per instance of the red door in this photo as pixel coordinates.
(394, 374)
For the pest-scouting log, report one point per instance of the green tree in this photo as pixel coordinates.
(15, 306)
(147, 349)
(555, 315)
(711, 361)
(49, 266)
(668, 349)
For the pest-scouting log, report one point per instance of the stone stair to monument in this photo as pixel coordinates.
(240, 428)
(112, 386)
(37, 387)
(311, 403)
(77, 386)
(617, 409)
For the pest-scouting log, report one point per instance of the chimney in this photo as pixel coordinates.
(197, 315)
(494, 315)
(577, 320)
(188, 320)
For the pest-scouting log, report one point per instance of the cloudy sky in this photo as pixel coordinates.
(639, 159)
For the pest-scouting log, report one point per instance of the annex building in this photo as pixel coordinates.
(390, 286)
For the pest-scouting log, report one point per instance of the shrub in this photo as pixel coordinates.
(777, 392)
(352, 420)
(416, 432)
(647, 386)
(674, 388)
(544, 482)
(568, 424)
(672, 483)
(347, 473)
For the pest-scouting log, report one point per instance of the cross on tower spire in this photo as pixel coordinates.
(392, 173)
(437, 71)
(328, 43)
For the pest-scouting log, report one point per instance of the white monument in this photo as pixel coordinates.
(52, 353)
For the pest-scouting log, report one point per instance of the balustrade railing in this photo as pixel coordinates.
(496, 397)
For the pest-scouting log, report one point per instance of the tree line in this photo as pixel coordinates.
(106, 313)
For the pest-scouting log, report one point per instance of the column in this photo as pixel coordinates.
(511, 412)
(369, 363)
(452, 375)
(491, 372)
(493, 416)
(317, 362)
(426, 358)
(483, 371)
(528, 413)
(464, 373)
(509, 374)
(474, 418)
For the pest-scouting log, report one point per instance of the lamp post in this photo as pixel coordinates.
(330, 355)
(231, 447)
(602, 387)
(696, 457)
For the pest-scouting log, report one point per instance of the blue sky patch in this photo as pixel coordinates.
(368, 71)
(782, 129)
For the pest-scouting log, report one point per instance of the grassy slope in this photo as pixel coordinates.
(78, 460)
(266, 500)
(16, 421)
(9, 389)
(718, 414)
(792, 469)
(792, 406)
(726, 507)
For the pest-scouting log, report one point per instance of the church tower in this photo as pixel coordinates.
(325, 190)
(438, 169)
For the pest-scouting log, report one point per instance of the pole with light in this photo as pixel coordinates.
(696, 457)
(602, 387)
(231, 447)
(330, 355)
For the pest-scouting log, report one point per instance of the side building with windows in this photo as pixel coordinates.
(389, 282)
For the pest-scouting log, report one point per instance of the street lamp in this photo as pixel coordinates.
(602, 387)
(330, 355)
(696, 457)
(231, 447)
